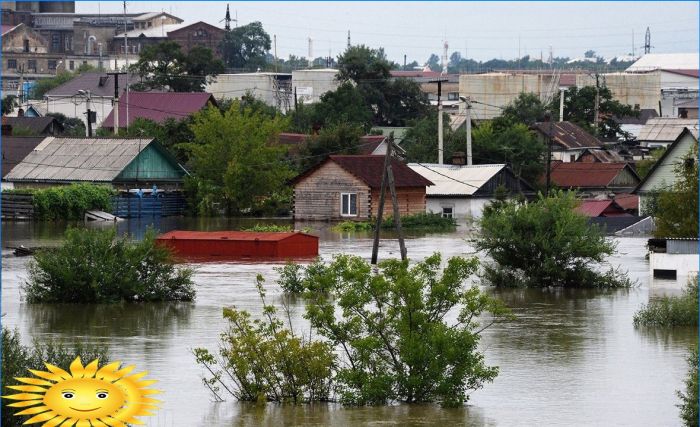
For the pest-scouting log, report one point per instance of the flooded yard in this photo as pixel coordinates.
(572, 357)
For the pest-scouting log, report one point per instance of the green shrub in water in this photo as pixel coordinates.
(96, 266)
(420, 221)
(270, 228)
(17, 359)
(68, 202)
(689, 399)
(671, 311)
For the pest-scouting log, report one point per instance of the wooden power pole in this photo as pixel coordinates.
(388, 179)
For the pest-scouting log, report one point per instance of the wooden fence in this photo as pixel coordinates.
(17, 206)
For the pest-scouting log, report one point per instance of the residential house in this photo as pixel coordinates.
(568, 140)
(198, 34)
(463, 191)
(662, 175)
(66, 100)
(309, 85)
(369, 144)
(140, 38)
(663, 131)
(601, 208)
(14, 150)
(123, 163)
(593, 179)
(633, 125)
(274, 89)
(347, 188)
(686, 109)
(33, 126)
(158, 107)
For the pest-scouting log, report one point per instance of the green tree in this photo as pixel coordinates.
(71, 126)
(172, 134)
(526, 109)
(544, 243)
(9, 103)
(42, 86)
(579, 108)
(94, 266)
(644, 166)
(392, 331)
(165, 67)
(421, 143)
(343, 105)
(669, 311)
(676, 213)
(689, 398)
(245, 47)
(434, 63)
(363, 65)
(234, 165)
(341, 138)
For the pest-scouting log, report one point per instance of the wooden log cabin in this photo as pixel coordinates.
(348, 187)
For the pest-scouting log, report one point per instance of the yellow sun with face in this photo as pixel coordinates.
(88, 396)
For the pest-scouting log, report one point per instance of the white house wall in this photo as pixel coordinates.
(101, 106)
(462, 208)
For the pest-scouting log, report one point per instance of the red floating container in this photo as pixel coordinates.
(216, 245)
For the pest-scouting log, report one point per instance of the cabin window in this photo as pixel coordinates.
(31, 64)
(348, 204)
(453, 96)
(12, 64)
(572, 158)
(71, 65)
(447, 212)
(52, 64)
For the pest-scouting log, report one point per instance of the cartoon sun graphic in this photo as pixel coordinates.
(85, 397)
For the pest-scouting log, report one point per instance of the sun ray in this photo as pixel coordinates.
(98, 423)
(76, 368)
(24, 396)
(83, 423)
(54, 421)
(41, 417)
(113, 422)
(34, 381)
(28, 388)
(58, 371)
(25, 403)
(47, 375)
(35, 410)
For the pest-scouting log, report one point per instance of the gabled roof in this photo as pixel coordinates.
(159, 106)
(99, 84)
(687, 73)
(594, 208)
(644, 115)
(603, 156)
(78, 159)
(627, 201)
(666, 61)
(150, 15)
(690, 103)
(15, 149)
(586, 175)
(199, 23)
(665, 129)
(453, 180)
(368, 143)
(160, 31)
(567, 135)
(369, 169)
(663, 159)
(37, 125)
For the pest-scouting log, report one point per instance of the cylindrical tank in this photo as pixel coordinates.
(57, 7)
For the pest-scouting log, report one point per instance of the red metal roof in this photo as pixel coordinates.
(159, 106)
(568, 135)
(687, 73)
(229, 235)
(627, 201)
(582, 175)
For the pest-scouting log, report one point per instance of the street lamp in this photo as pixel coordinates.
(468, 126)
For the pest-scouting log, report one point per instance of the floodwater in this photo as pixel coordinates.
(571, 358)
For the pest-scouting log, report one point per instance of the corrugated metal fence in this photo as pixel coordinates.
(166, 204)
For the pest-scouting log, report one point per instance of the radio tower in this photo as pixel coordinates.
(444, 58)
(647, 42)
(227, 19)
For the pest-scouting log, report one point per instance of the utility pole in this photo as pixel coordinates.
(349, 39)
(597, 104)
(647, 42)
(274, 38)
(468, 125)
(126, 60)
(548, 118)
(227, 19)
(115, 103)
(439, 106)
(88, 112)
(388, 178)
(561, 104)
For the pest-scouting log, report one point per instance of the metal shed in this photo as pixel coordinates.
(217, 245)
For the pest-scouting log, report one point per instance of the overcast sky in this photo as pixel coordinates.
(479, 30)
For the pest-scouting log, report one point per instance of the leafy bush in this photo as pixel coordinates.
(18, 359)
(689, 399)
(265, 361)
(69, 202)
(671, 311)
(354, 226)
(545, 243)
(427, 221)
(96, 266)
(270, 228)
(295, 278)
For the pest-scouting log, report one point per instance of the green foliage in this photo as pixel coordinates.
(234, 165)
(95, 266)
(423, 221)
(341, 138)
(545, 243)
(270, 228)
(354, 226)
(71, 125)
(9, 103)
(689, 399)
(262, 360)
(362, 64)
(644, 166)
(676, 210)
(68, 202)
(579, 109)
(421, 143)
(171, 134)
(245, 47)
(17, 359)
(671, 311)
(391, 330)
(165, 67)
(526, 109)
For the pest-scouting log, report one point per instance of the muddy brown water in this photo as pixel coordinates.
(572, 357)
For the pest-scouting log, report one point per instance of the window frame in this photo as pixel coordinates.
(444, 214)
(453, 96)
(349, 210)
(12, 64)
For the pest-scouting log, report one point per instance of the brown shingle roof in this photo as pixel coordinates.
(159, 106)
(99, 84)
(568, 135)
(369, 170)
(586, 175)
(37, 125)
(603, 156)
(15, 149)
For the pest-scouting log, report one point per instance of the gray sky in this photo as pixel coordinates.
(482, 30)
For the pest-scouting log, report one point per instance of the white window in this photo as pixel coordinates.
(348, 204)
(447, 212)
(453, 96)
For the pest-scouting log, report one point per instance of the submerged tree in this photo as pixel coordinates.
(545, 243)
(676, 210)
